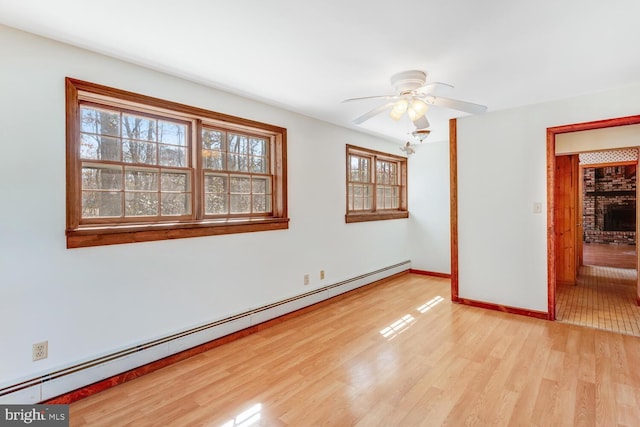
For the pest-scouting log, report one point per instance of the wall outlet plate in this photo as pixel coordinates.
(40, 350)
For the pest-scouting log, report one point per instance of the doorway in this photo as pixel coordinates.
(603, 293)
(565, 233)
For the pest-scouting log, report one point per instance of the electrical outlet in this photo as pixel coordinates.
(321, 274)
(306, 279)
(537, 207)
(40, 350)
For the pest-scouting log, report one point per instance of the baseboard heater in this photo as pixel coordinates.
(73, 377)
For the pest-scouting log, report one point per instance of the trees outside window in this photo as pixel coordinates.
(141, 168)
(376, 185)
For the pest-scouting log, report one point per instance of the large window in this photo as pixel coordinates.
(141, 169)
(376, 185)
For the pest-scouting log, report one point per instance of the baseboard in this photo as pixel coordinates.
(505, 309)
(430, 273)
(89, 377)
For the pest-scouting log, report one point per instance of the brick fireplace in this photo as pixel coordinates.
(609, 205)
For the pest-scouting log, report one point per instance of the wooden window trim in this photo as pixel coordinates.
(377, 215)
(85, 235)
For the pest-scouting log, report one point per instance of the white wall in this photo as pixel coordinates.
(429, 207)
(92, 301)
(501, 173)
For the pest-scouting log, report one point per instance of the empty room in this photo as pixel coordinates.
(296, 214)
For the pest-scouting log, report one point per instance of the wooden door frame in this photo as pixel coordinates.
(551, 165)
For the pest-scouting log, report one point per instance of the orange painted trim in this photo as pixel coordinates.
(504, 308)
(551, 164)
(453, 189)
(123, 377)
(597, 124)
(551, 234)
(430, 273)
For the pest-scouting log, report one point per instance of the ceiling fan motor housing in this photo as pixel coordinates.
(407, 81)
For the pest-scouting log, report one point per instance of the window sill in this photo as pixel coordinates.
(88, 236)
(375, 216)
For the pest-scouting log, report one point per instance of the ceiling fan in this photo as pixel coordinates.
(413, 97)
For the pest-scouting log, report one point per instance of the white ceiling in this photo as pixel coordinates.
(308, 56)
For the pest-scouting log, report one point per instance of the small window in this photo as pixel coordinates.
(141, 169)
(376, 185)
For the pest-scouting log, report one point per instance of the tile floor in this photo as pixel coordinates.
(603, 298)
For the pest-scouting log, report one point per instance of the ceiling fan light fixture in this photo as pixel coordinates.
(399, 108)
(421, 134)
(417, 109)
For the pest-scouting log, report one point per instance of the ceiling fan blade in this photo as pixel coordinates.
(371, 113)
(432, 87)
(372, 97)
(454, 104)
(421, 122)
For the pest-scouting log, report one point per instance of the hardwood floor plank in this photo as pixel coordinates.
(585, 404)
(398, 354)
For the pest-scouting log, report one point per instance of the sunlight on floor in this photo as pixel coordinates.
(430, 304)
(247, 418)
(404, 322)
(397, 327)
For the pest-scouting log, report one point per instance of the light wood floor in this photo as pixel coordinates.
(603, 298)
(397, 354)
(618, 256)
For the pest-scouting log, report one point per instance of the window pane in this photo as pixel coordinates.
(141, 204)
(215, 184)
(238, 144)
(238, 163)
(213, 159)
(135, 127)
(139, 152)
(171, 155)
(258, 147)
(98, 147)
(102, 122)
(103, 178)
(99, 204)
(141, 180)
(359, 169)
(367, 203)
(212, 140)
(261, 203)
(240, 185)
(240, 203)
(174, 181)
(360, 197)
(216, 204)
(258, 165)
(172, 133)
(357, 203)
(176, 204)
(261, 186)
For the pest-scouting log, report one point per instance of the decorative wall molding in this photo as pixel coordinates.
(609, 156)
